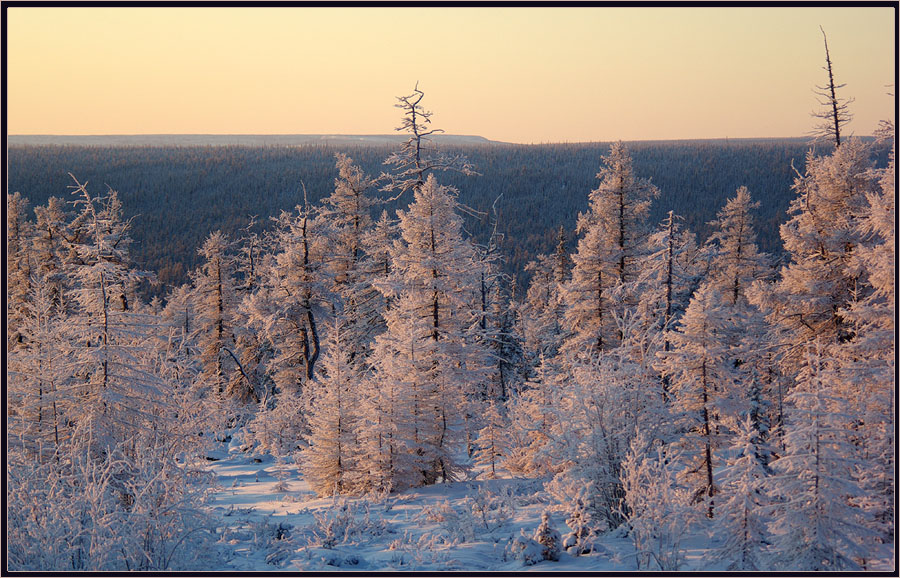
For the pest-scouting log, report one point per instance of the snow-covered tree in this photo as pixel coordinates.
(251, 351)
(658, 508)
(612, 232)
(543, 308)
(418, 157)
(347, 213)
(760, 381)
(346, 222)
(18, 263)
(491, 442)
(735, 264)
(669, 273)
(702, 376)
(815, 527)
(39, 384)
(52, 249)
(741, 520)
(548, 537)
(835, 113)
(427, 344)
(603, 405)
(820, 238)
(109, 336)
(329, 461)
(108, 404)
(286, 310)
(215, 306)
(736, 261)
(868, 361)
(532, 416)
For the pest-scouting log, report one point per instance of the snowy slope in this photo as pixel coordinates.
(267, 523)
(269, 520)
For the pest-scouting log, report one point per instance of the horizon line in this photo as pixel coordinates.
(394, 136)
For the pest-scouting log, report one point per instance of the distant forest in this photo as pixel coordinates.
(178, 195)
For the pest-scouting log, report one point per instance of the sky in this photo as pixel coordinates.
(524, 74)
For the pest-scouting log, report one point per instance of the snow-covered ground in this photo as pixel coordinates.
(269, 519)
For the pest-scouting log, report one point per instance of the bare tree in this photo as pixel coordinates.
(836, 113)
(417, 157)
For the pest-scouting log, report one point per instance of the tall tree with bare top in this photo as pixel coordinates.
(418, 156)
(835, 113)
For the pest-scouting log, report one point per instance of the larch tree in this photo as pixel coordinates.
(251, 352)
(669, 274)
(287, 306)
(418, 156)
(497, 329)
(532, 417)
(543, 308)
(701, 377)
(52, 249)
(815, 526)
(215, 305)
(741, 520)
(39, 382)
(608, 255)
(329, 462)
(346, 222)
(835, 113)
(868, 361)
(542, 311)
(605, 403)
(428, 338)
(820, 238)
(505, 344)
(736, 261)
(19, 264)
(735, 264)
(377, 243)
(107, 333)
(491, 442)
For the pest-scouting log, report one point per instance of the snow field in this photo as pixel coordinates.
(269, 519)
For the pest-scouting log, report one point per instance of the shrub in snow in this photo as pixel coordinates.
(114, 514)
(280, 546)
(339, 525)
(525, 550)
(578, 541)
(429, 550)
(491, 509)
(548, 538)
(459, 524)
(659, 511)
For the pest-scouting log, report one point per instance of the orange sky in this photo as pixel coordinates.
(510, 74)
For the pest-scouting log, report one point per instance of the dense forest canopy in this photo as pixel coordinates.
(179, 194)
